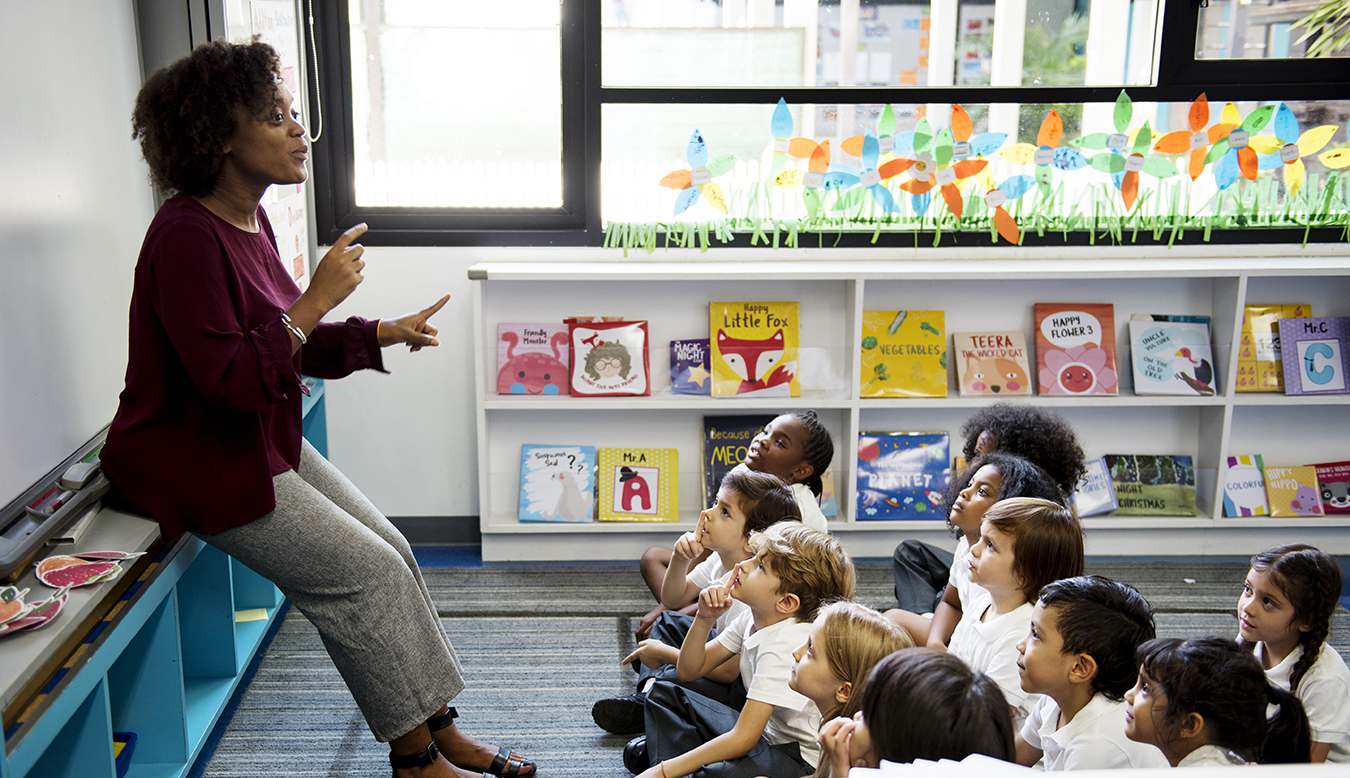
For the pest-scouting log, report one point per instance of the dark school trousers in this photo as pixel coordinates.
(679, 720)
(670, 628)
(921, 573)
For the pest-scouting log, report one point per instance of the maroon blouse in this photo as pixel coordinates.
(211, 408)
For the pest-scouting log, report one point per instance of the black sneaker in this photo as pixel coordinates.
(635, 755)
(620, 715)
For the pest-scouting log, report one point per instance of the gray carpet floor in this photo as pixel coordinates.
(541, 643)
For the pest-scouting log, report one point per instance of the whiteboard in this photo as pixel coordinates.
(74, 205)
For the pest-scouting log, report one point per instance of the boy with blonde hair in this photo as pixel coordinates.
(794, 571)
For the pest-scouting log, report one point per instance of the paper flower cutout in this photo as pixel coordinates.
(1138, 162)
(784, 145)
(846, 177)
(1011, 189)
(813, 179)
(698, 178)
(1048, 153)
(1196, 143)
(1232, 153)
(1285, 148)
(1077, 370)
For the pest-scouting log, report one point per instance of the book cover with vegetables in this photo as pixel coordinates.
(754, 349)
(638, 484)
(904, 354)
(992, 363)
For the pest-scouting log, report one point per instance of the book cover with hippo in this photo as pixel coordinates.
(557, 483)
(1292, 491)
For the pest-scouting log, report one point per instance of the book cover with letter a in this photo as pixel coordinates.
(754, 349)
(902, 475)
(904, 354)
(557, 483)
(1292, 491)
(991, 363)
(1316, 355)
(1076, 348)
(1244, 487)
(638, 484)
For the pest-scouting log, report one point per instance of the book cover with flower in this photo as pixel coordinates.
(1076, 348)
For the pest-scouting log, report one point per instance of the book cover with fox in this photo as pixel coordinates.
(904, 354)
(992, 363)
(1076, 348)
(754, 349)
(638, 484)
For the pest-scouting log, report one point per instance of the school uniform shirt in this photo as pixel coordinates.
(1325, 694)
(1211, 756)
(972, 595)
(991, 648)
(1094, 740)
(711, 571)
(766, 666)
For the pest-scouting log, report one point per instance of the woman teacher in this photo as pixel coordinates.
(207, 435)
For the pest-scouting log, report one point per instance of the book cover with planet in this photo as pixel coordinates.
(1172, 357)
(902, 475)
(904, 354)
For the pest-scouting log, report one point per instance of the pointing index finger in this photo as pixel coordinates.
(430, 310)
(351, 234)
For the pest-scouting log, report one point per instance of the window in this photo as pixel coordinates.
(536, 122)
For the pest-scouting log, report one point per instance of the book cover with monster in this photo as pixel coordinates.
(1293, 492)
(754, 349)
(1076, 348)
(904, 354)
(902, 475)
(557, 483)
(638, 484)
(993, 363)
(532, 359)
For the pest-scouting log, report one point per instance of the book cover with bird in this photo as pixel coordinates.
(904, 354)
(902, 475)
(638, 484)
(689, 367)
(1260, 368)
(609, 358)
(1292, 491)
(557, 483)
(1333, 482)
(1244, 487)
(1152, 484)
(1095, 494)
(1076, 348)
(1172, 357)
(532, 359)
(725, 443)
(992, 363)
(754, 349)
(1316, 355)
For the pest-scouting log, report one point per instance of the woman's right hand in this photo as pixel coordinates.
(339, 272)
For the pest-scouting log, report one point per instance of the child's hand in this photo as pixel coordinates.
(846, 743)
(690, 544)
(713, 602)
(648, 654)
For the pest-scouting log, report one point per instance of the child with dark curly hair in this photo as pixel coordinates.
(207, 435)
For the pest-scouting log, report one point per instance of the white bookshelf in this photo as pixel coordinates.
(978, 289)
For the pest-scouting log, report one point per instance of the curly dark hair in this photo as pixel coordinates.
(817, 449)
(1018, 477)
(187, 111)
(1040, 435)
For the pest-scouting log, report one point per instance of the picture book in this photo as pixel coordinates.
(689, 367)
(1172, 358)
(902, 475)
(1292, 491)
(829, 505)
(1260, 368)
(1244, 487)
(992, 363)
(1316, 355)
(609, 358)
(1333, 480)
(1076, 348)
(638, 484)
(1095, 494)
(532, 359)
(726, 441)
(557, 483)
(1152, 485)
(904, 354)
(754, 349)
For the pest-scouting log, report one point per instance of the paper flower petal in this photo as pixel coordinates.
(1019, 153)
(852, 145)
(969, 167)
(904, 142)
(1160, 167)
(686, 199)
(1007, 226)
(1197, 164)
(1231, 114)
(1129, 188)
(1293, 177)
(1107, 162)
(713, 194)
(920, 203)
(1052, 129)
(1069, 158)
(1315, 139)
(1258, 119)
(894, 167)
(789, 179)
(871, 150)
(1199, 113)
(1178, 142)
(1141, 139)
(1335, 159)
(914, 186)
(677, 179)
(801, 148)
(886, 124)
(884, 198)
(1268, 161)
(697, 154)
(1219, 150)
(838, 179)
(1226, 170)
(1016, 186)
(1094, 141)
(923, 136)
(1247, 163)
(781, 124)
(820, 158)
(721, 164)
(955, 203)
(1284, 125)
(961, 125)
(1124, 111)
(987, 143)
(812, 199)
(1266, 144)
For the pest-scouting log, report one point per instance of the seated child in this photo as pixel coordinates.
(921, 703)
(1024, 544)
(1079, 654)
(795, 570)
(1284, 615)
(1037, 434)
(990, 478)
(747, 502)
(846, 640)
(1204, 701)
(798, 449)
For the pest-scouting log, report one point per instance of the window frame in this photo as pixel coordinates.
(1180, 76)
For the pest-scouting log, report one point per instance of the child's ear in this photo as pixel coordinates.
(1083, 669)
(842, 694)
(789, 604)
(1192, 724)
(802, 472)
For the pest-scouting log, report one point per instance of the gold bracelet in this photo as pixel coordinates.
(663, 768)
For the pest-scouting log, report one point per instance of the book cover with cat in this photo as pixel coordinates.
(992, 363)
(689, 367)
(1244, 487)
(1172, 358)
(754, 349)
(1152, 484)
(904, 354)
(610, 358)
(1292, 491)
(532, 359)
(1260, 368)
(1095, 493)
(902, 475)
(1076, 348)
(725, 443)
(1333, 482)
(557, 483)
(638, 484)
(1316, 355)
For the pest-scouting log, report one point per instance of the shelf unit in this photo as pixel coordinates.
(996, 292)
(163, 664)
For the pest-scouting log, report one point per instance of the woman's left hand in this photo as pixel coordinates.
(411, 328)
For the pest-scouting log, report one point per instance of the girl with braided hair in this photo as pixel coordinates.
(1284, 617)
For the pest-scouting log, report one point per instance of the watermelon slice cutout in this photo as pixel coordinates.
(41, 614)
(107, 555)
(79, 574)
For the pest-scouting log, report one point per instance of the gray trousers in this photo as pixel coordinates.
(353, 575)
